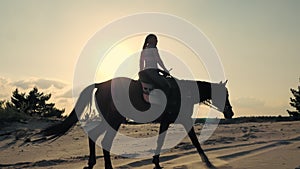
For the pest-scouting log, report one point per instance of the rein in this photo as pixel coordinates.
(209, 104)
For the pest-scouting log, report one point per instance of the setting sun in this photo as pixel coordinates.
(122, 56)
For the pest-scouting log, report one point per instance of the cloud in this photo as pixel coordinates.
(4, 88)
(61, 93)
(2, 95)
(55, 87)
(246, 106)
(22, 84)
(3, 81)
(249, 102)
(67, 94)
(45, 84)
(40, 83)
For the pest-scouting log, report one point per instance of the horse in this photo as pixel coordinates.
(214, 94)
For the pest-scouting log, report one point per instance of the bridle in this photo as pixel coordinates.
(209, 104)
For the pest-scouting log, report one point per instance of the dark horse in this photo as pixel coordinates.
(181, 96)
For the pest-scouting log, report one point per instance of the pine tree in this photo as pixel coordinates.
(2, 104)
(34, 104)
(295, 102)
(18, 101)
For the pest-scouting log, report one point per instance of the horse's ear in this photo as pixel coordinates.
(225, 82)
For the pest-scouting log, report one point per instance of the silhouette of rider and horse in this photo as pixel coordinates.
(140, 93)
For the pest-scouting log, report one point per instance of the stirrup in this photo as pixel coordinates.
(147, 87)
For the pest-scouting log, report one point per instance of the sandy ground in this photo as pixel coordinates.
(232, 146)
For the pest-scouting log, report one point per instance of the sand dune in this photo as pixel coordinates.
(232, 146)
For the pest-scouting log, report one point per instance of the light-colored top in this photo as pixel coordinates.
(150, 59)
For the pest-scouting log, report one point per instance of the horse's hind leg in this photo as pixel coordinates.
(160, 141)
(107, 143)
(93, 135)
(92, 157)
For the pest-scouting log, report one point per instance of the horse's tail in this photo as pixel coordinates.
(55, 131)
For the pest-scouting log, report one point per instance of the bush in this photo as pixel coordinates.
(11, 115)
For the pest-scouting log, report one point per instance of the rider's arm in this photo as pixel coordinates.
(159, 61)
(142, 62)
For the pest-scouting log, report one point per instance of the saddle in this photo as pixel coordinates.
(153, 91)
(156, 95)
(153, 95)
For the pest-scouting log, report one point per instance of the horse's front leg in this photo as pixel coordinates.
(191, 132)
(107, 160)
(160, 141)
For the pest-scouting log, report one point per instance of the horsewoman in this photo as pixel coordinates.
(149, 62)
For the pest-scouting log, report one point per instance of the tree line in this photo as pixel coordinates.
(295, 102)
(33, 104)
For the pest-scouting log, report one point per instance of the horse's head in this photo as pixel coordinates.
(228, 112)
(220, 99)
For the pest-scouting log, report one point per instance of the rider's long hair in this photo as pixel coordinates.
(146, 43)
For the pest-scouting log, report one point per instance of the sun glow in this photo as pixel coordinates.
(122, 60)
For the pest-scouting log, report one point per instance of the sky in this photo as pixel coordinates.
(257, 42)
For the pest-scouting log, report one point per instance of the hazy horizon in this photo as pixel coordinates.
(257, 41)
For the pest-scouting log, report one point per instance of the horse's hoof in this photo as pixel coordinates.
(211, 166)
(158, 167)
(87, 167)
